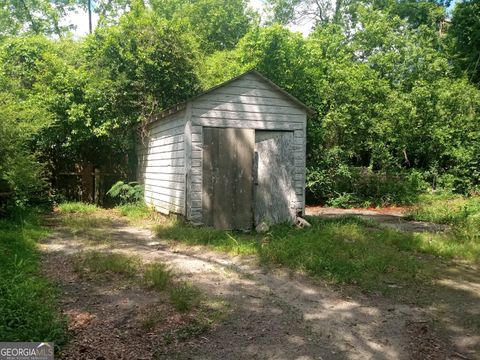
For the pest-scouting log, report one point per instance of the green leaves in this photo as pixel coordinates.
(389, 80)
(34, 17)
(126, 192)
(465, 35)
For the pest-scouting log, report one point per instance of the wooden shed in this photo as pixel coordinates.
(231, 157)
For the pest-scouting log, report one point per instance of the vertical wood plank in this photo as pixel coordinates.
(227, 191)
(223, 180)
(243, 179)
(209, 150)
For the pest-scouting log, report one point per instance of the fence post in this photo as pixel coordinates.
(97, 181)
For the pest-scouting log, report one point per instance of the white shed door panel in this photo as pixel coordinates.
(274, 189)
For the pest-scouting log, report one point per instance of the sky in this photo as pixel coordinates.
(80, 20)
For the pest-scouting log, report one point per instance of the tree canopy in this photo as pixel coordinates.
(394, 84)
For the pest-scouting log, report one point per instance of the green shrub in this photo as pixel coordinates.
(344, 200)
(355, 186)
(126, 193)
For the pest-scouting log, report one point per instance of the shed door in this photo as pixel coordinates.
(227, 192)
(274, 183)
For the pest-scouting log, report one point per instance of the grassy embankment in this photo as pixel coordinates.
(345, 250)
(352, 251)
(28, 310)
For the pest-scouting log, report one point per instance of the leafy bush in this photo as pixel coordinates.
(126, 193)
(354, 186)
(22, 176)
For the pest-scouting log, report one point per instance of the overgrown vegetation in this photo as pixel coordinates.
(126, 193)
(138, 211)
(394, 86)
(28, 309)
(77, 207)
(97, 263)
(462, 214)
(345, 250)
(157, 276)
(232, 242)
(446, 209)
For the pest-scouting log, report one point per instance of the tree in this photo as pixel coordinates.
(136, 68)
(465, 31)
(217, 24)
(21, 174)
(345, 12)
(316, 11)
(34, 16)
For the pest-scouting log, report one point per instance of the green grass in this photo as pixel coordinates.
(232, 242)
(346, 250)
(342, 250)
(77, 207)
(88, 227)
(107, 263)
(157, 276)
(184, 297)
(28, 309)
(462, 214)
(86, 221)
(445, 209)
(136, 211)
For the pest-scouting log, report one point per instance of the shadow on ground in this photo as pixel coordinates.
(278, 315)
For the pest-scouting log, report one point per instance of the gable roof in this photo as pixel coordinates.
(182, 105)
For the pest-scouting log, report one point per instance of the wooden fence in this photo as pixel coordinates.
(88, 184)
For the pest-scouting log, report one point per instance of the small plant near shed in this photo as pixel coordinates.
(126, 193)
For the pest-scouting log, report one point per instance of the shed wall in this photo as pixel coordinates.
(162, 164)
(247, 102)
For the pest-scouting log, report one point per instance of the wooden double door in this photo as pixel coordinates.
(247, 177)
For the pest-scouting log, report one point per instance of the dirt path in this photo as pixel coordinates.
(272, 314)
(392, 218)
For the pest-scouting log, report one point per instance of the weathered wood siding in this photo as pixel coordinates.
(275, 198)
(162, 164)
(227, 177)
(248, 102)
(171, 160)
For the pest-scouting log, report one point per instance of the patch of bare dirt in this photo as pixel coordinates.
(273, 314)
(110, 318)
(392, 217)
